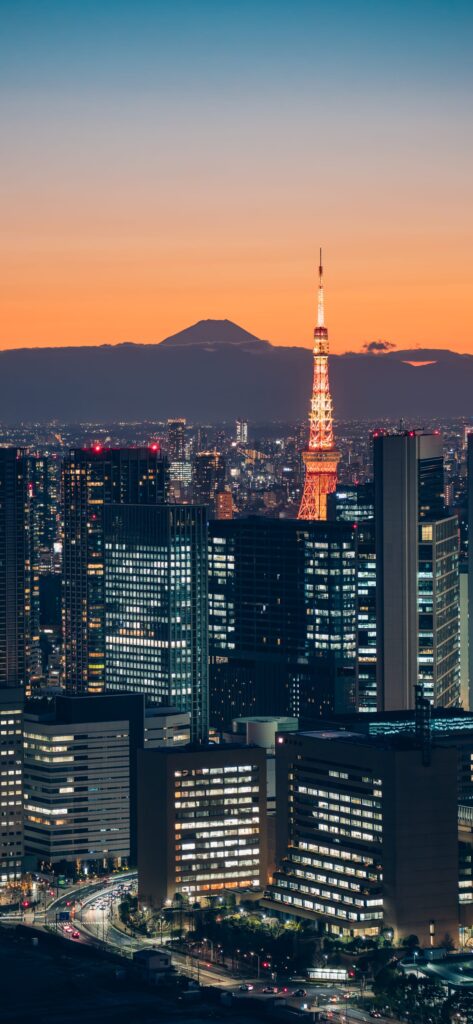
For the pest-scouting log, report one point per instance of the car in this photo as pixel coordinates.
(375, 1013)
(245, 988)
(75, 935)
(270, 990)
(299, 993)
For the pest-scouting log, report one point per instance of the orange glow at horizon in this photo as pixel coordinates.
(132, 291)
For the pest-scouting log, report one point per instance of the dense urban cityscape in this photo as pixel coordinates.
(236, 741)
(236, 512)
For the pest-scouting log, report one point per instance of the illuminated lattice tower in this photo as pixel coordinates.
(321, 458)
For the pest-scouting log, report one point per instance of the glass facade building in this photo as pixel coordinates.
(282, 618)
(91, 479)
(438, 598)
(156, 606)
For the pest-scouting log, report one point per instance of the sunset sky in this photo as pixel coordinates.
(165, 162)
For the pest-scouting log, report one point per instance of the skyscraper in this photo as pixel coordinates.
(156, 606)
(92, 478)
(176, 440)
(282, 618)
(321, 458)
(417, 612)
(241, 431)
(11, 784)
(15, 570)
(208, 477)
(351, 503)
(470, 566)
(223, 505)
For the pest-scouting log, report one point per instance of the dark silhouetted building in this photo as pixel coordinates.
(417, 612)
(93, 478)
(282, 618)
(208, 477)
(351, 503)
(156, 605)
(15, 570)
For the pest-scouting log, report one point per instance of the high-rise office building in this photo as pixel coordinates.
(470, 564)
(241, 431)
(156, 605)
(201, 821)
(367, 834)
(417, 614)
(366, 618)
(439, 611)
(43, 484)
(15, 570)
(93, 478)
(282, 618)
(351, 503)
(176, 440)
(11, 784)
(208, 476)
(224, 505)
(452, 727)
(354, 503)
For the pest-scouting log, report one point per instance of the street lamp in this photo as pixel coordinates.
(259, 962)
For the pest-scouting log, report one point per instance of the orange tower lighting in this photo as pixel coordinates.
(321, 458)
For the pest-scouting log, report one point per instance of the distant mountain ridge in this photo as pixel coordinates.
(215, 371)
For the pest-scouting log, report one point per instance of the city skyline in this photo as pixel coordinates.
(164, 165)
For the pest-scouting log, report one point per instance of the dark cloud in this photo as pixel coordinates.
(378, 346)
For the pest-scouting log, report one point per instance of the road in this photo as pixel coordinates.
(93, 912)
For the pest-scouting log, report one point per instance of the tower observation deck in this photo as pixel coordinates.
(321, 458)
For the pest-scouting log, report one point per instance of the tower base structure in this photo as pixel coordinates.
(320, 480)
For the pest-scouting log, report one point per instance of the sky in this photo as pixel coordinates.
(166, 162)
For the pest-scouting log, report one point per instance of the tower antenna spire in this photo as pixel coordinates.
(321, 458)
(320, 301)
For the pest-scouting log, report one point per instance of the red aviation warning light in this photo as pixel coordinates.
(321, 458)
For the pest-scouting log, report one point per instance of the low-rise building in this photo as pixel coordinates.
(80, 764)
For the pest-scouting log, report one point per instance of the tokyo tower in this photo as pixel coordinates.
(321, 458)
